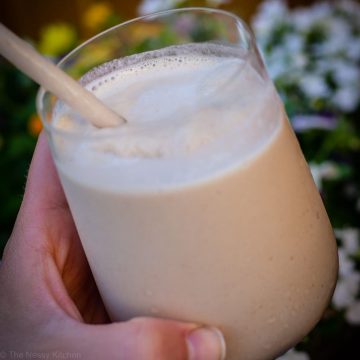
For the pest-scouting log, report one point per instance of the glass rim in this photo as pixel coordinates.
(42, 91)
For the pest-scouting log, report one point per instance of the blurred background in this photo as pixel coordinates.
(27, 18)
(312, 52)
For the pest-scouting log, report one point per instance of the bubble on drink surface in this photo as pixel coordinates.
(175, 55)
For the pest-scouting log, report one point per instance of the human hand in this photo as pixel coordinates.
(49, 303)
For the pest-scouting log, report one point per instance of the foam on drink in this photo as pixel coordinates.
(182, 104)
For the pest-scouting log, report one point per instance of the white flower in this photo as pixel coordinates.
(338, 34)
(346, 98)
(350, 240)
(348, 285)
(305, 18)
(346, 290)
(285, 61)
(263, 26)
(323, 66)
(299, 61)
(276, 63)
(293, 43)
(314, 86)
(352, 314)
(329, 170)
(274, 8)
(338, 28)
(276, 69)
(321, 10)
(353, 49)
(332, 46)
(351, 7)
(326, 170)
(270, 13)
(292, 354)
(150, 6)
(346, 265)
(301, 19)
(345, 72)
(347, 77)
(315, 172)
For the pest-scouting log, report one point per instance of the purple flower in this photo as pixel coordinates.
(302, 123)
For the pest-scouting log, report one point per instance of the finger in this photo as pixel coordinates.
(146, 339)
(43, 189)
(43, 257)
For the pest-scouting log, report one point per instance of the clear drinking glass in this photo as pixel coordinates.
(201, 207)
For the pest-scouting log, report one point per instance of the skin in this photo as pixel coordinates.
(49, 301)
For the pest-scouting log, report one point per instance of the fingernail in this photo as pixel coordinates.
(206, 343)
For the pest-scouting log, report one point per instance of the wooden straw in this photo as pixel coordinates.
(45, 73)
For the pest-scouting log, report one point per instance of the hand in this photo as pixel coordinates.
(49, 303)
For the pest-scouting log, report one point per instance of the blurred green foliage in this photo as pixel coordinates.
(17, 106)
(19, 123)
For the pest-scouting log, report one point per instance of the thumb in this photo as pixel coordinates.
(145, 339)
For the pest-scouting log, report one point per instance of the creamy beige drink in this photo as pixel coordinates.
(201, 208)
